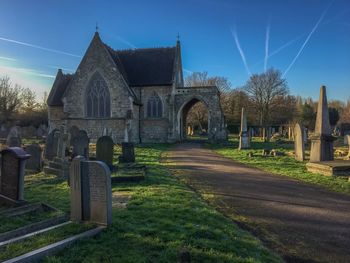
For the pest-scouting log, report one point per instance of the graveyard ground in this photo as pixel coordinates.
(162, 217)
(283, 165)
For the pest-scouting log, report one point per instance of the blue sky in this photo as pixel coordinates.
(37, 37)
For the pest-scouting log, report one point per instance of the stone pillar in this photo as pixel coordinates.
(322, 140)
(243, 135)
(299, 150)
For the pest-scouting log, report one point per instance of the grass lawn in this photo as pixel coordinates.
(283, 165)
(162, 217)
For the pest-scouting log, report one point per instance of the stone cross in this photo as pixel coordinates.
(12, 173)
(299, 142)
(243, 135)
(322, 141)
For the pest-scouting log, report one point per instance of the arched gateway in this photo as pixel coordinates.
(186, 97)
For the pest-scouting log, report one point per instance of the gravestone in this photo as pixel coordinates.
(322, 140)
(73, 133)
(35, 162)
(14, 141)
(75, 183)
(104, 150)
(100, 192)
(348, 139)
(81, 144)
(14, 137)
(12, 173)
(243, 135)
(128, 153)
(51, 144)
(299, 142)
(91, 193)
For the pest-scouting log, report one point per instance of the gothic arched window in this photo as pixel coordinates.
(98, 103)
(154, 107)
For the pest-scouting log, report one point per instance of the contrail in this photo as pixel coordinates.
(307, 39)
(38, 47)
(7, 58)
(234, 34)
(267, 39)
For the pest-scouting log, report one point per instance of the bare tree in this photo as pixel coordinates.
(265, 92)
(10, 98)
(28, 100)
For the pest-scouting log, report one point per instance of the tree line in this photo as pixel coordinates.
(19, 105)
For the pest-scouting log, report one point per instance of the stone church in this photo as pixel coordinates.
(135, 95)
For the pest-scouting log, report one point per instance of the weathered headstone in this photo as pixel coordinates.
(243, 135)
(12, 173)
(51, 144)
(14, 141)
(73, 133)
(299, 142)
(104, 150)
(128, 153)
(35, 162)
(322, 140)
(81, 144)
(91, 194)
(75, 183)
(100, 193)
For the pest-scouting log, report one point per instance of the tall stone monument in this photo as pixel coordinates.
(322, 140)
(299, 142)
(243, 135)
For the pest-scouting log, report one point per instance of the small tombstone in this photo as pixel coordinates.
(250, 154)
(14, 132)
(104, 150)
(35, 162)
(299, 142)
(275, 153)
(51, 144)
(91, 193)
(12, 172)
(265, 152)
(81, 144)
(128, 153)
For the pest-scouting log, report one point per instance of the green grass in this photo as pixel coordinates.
(163, 217)
(11, 223)
(41, 240)
(283, 165)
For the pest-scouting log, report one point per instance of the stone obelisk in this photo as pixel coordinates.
(322, 140)
(243, 135)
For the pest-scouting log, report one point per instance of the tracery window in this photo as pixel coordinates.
(154, 107)
(98, 103)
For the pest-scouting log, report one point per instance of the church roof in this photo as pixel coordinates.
(147, 66)
(59, 87)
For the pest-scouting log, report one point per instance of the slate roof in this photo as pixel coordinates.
(58, 88)
(146, 67)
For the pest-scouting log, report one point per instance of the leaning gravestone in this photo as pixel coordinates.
(128, 153)
(322, 140)
(35, 162)
(51, 144)
(81, 144)
(91, 194)
(104, 150)
(299, 142)
(243, 135)
(12, 173)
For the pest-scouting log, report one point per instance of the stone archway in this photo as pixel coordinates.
(185, 98)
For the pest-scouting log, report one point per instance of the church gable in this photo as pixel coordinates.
(97, 63)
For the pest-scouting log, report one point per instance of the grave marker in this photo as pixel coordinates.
(128, 153)
(51, 144)
(35, 161)
(81, 144)
(104, 150)
(299, 142)
(12, 172)
(243, 135)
